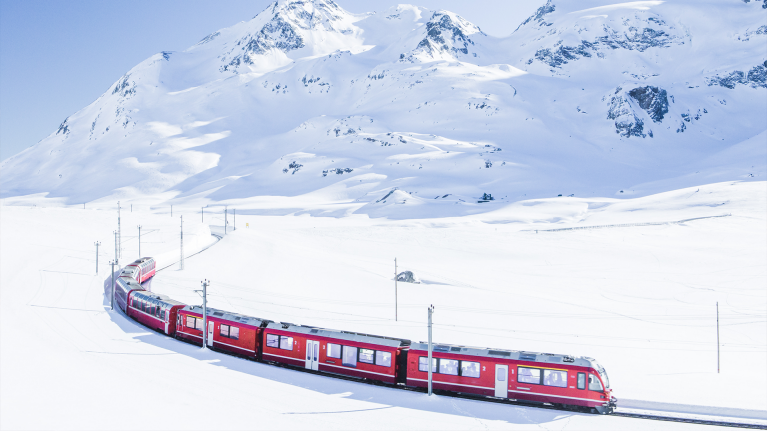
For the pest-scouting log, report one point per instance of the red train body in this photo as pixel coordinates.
(230, 332)
(155, 311)
(561, 380)
(526, 376)
(365, 356)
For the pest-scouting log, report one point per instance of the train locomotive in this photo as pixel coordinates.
(562, 381)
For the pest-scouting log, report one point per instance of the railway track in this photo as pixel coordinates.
(690, 420)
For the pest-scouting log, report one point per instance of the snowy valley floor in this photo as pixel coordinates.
(639, 299)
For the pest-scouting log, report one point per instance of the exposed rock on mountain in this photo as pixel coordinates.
(756, 77)
(653, 100)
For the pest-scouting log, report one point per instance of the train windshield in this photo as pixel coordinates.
(605, 379)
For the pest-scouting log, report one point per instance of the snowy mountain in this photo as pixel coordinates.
(414, 112)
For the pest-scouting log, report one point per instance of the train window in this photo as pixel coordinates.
(162, 314)
(334, 351)
(198, 324)
(555, 378)
(350, 356)
(383, 359)
(286, 343)
(448, 366)
(470, 369)
(423, 360)
(224, 331)
(581, 380)
(157, 310)
(367, 356)
(594, 383)
(272, 341)
(529, 375)
(234, 333)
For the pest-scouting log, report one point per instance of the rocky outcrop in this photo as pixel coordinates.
(627, 123)
(755, 78)
(448, 34)
(653, 100)
(408, 277)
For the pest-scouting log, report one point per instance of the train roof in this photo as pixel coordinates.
(227, 315)
(340, 335)
(163, 298)
(544, 358)
(129, 282)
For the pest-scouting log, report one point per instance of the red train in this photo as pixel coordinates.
(569, 382)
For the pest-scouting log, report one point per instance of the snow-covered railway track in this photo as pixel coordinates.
(218, 238)
(690, 420)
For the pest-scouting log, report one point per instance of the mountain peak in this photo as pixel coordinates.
(447, 36)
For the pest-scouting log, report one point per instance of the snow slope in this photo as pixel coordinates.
(639, 299)
(331, 111)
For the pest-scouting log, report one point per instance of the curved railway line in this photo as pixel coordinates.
(646, 416)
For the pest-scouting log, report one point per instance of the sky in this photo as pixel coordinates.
(56, 57)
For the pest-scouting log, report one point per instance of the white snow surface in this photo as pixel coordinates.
(639, 299)
(330, 111)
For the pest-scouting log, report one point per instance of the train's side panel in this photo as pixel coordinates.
(517, 388)
(296, 356)
(482, 385)
(184, 331)
(245, 342)
(145, 316)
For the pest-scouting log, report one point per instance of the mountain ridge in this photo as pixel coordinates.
(306, 96)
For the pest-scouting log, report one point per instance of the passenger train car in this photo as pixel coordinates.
(569, 382)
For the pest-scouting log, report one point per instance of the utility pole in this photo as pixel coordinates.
(395, 290)
(113, 263)
(235, 218)
(203, 214)
(431, 311)
(116, 260)
(131, 207)
(717, 337)
(205, 284)
(182, 243)
(119, 233)
(225, 219)
(139, 241)
(171, 210)
(97, 244)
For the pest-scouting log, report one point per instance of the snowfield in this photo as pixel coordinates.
(640, 299)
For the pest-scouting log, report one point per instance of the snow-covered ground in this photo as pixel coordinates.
(640, 299)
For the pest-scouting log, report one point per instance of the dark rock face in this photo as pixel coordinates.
(627, 124)
(653, 100)
(441, 29)
(755, 78)
(539, 14)
(564, 54)
(408, 277)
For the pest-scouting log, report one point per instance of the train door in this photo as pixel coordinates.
(210, 333)
(501, 381)
(167, 321)
(312, 355)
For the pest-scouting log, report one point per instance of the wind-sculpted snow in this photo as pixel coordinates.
(330, 111)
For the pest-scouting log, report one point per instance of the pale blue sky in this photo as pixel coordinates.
(58, 56)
